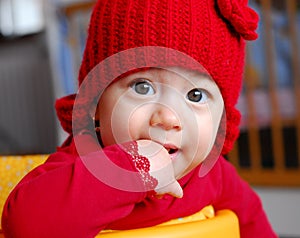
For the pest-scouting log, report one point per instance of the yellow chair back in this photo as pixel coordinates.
(12, 170)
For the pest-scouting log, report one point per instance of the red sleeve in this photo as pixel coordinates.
(61, 198)
(238, 196)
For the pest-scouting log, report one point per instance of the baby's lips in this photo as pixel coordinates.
(243, 18)
(170, 148)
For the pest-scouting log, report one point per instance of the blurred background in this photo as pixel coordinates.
(41, 44)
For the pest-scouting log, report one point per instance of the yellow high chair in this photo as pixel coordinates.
(205, 223)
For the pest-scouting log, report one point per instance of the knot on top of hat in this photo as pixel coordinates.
(243, 18)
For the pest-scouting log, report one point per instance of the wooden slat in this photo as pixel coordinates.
(252, 123)
(291, 6)
(276, 124)
(234, 157)
(72, 11)
(73, 8)
(74, 42)
(270, 177)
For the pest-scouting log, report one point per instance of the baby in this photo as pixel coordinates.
(149, 126)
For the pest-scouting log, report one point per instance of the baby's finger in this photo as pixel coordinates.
(175, 190)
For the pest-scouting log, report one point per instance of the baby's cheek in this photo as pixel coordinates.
(138, 122)
(204, 137)
(136, 130)
(119, 123)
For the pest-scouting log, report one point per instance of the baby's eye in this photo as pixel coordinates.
(142, 87)
(197, 95)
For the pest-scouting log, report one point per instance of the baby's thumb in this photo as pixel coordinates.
(175, 190)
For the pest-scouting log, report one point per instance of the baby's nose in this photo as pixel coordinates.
(165, 118)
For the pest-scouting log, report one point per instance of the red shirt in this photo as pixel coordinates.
(61, 198)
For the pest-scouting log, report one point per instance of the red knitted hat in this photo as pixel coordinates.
(212, 32)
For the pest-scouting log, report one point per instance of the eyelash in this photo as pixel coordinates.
(147, 86)
(202, 94)
(148, 89)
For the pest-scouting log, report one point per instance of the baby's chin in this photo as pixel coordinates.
(180, 176)
(180, 173)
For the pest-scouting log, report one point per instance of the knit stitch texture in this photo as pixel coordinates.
(211, 32)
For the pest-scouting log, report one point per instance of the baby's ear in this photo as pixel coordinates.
(95, 113)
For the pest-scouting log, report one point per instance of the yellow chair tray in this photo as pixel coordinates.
(223, 224)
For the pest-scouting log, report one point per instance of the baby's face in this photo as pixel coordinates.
(176, 108)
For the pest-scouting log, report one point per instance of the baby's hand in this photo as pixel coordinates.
(161, 168)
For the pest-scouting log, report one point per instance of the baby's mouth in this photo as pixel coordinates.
(172, 149)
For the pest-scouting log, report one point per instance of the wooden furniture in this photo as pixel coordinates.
(268, 150)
